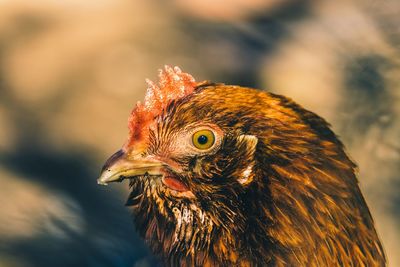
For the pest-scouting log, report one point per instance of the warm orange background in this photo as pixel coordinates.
(71, 71)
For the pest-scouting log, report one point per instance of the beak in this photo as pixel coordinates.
(119, 167)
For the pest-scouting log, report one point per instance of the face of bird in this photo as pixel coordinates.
(191, 173)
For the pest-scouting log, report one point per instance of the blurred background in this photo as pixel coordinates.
(71, 71)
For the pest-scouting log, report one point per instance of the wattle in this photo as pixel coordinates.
(174, 184)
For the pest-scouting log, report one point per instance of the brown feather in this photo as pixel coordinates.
(301, 204)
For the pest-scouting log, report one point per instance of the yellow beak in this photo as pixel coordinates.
(121, 166)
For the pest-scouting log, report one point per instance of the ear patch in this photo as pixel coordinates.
(250, 141)
(247, 175)
(250, 144)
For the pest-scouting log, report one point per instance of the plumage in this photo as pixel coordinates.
(274, 188)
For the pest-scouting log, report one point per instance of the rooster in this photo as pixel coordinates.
(223, 175)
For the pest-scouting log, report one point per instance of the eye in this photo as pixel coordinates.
(203, 139)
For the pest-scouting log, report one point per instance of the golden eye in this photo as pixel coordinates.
(203, 139)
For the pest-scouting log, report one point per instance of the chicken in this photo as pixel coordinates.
(223, 175)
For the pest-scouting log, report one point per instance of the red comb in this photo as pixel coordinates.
(173, 84)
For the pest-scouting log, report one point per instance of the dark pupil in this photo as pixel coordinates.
(202, 139)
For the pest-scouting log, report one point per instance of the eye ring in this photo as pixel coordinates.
(203, 139)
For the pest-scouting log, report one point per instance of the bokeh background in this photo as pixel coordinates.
(71, 71)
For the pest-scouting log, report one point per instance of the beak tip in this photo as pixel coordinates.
(100, 182)
(108, 176)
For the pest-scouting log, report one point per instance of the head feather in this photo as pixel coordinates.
(173, 84)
